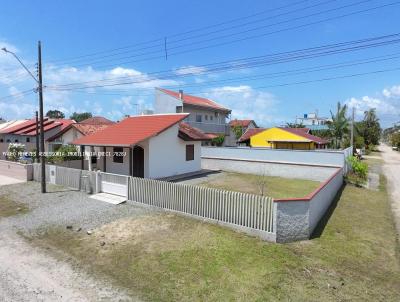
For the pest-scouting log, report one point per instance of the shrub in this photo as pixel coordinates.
(64, 153)
(15, 151)
(218, 141)
(359, 172)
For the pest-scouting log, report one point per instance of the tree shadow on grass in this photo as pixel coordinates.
(319, 229)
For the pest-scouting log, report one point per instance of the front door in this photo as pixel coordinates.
(138, 162)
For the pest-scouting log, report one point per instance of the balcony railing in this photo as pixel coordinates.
(210, 128)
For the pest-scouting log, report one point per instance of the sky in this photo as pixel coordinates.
(107, 57)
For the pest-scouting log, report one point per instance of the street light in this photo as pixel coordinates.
(40, 90)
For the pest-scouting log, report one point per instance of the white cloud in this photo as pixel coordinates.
(247, 102)
(190, 69)
(386, 103)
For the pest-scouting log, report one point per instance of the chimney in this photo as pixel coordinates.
(180, 94)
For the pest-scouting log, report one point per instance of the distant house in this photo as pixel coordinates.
(151, 146)
(313, 121)
(78, 130)
(25, 132)
(243, 126)
(204, 114)
(283, 138)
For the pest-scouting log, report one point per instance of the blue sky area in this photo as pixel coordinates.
(120, 42)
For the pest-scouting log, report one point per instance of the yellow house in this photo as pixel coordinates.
(283, 138)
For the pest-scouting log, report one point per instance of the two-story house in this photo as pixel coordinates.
(204, 114)
(237, 128)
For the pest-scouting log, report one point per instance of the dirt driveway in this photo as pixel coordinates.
(30, 273)
(391, 169)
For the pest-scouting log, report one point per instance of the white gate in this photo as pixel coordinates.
(114, 184)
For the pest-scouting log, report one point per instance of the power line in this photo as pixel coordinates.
(250, 63)
(310, 81)
(162, 46)
(237, 40)
(18, 94)
(161, 39)
(280, 73)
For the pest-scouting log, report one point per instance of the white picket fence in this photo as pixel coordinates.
(246, 210)
(68, 177)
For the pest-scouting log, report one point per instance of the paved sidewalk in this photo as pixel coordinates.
(5, 180)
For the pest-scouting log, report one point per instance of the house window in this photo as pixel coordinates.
(118, 156)
(93, 159)
(16, 141)
(198, 118)
(1, 140)
(28, 139)
(211, 117)
(8, 141)
(206, 117)
(189, 152)
(179, 109)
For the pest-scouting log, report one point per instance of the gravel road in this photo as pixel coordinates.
(28, 273)
(391, 169)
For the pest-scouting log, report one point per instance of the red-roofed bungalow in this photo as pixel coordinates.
(151, 146)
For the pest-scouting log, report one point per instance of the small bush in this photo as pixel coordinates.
(15, 151)
(359, 171)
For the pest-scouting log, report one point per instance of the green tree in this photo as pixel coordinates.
(79, 117)
(238, 131)
(55, 114)
(369, 128)
(295, 125)
(15, 151)
(339, 126)
(218, 141)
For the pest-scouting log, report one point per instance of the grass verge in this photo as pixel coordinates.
(8, 207)
(276, 187)
(170, 258)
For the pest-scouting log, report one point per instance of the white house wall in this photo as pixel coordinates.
(167, 155)
(117, 168)
(165, 103)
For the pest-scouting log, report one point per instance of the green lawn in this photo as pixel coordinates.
(276, 187)
(164, 257)
(9, 207)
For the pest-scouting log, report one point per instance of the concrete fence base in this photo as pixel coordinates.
(16, 170)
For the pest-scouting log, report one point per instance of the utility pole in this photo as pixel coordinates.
(40, 90)
(37, 136)
(352, 129)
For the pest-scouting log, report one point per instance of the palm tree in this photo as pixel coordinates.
(340, 124)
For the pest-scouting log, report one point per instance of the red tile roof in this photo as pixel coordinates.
(303, 133)
(189, 133)
(242, 123)
(195, 100)
(249, 133)
(29, 127)
(97, 120)
(131, 130)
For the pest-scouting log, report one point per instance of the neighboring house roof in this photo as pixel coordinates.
(85, 129)
(97, 120)
(189, 133)
(242, 123)
(304, 133)
(4, 126)
(249, 133)
(29, 127)
(195, 100)
(132, 130)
